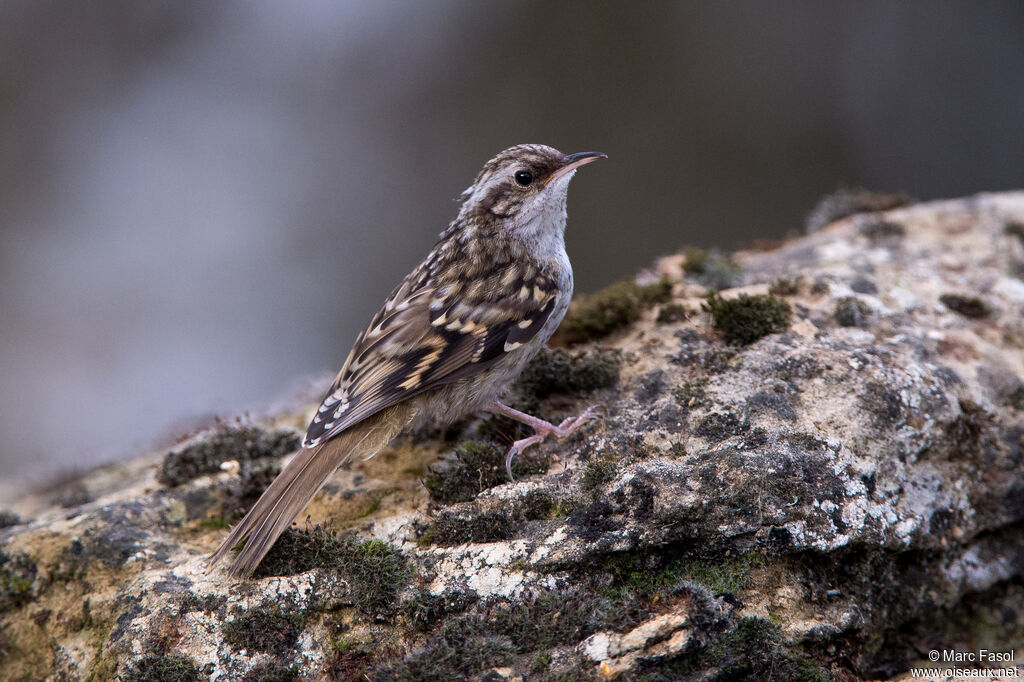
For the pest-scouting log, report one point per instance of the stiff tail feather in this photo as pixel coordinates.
(294, 487)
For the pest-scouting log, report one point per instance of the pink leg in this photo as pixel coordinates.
(541, 428)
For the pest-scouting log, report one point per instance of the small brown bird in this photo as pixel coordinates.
(448, 341)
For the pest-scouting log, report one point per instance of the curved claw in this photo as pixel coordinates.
(518, 447)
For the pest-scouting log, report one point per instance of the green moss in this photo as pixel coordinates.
(498, 630)
(374, 570)
(214, 523)
(8, 518)
(474, 468)
(968, 306)
(711, 268)
(785, 286)
(455, 529)
(611, 309)
(617, 594)
(541, 663)
(298, 551)
(376, 573)
(729, 576)
(424, 608)
(456, 526)
(852, 312)
(351, 661)
(17, 576)
(556, 371)
(641, 577)
(268, 628)
(598, 472)
(459, 649)
(225, 443)
(164, 668)
(754, 649)
(745, 319)
(563, 507)
(659, 292)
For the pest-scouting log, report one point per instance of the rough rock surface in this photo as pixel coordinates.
(830, 500)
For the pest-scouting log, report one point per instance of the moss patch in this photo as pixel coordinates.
(298, 551)
(225, 443)
(598, 472)
(596, 316)
(968, 306)
(17, 576)
(785, 286)
(269, 629)
(454, 529)
(729, 576)
(464, 635)
(753, 650)
(164, 668)
(557, 370)
(454, 526)
(352, 661)
(473, 468)
(852, 312)
(745, 319)
(424, 609)
(8, 518)
(645, 577)
(375, 571)
(711, 268)
(498, 630)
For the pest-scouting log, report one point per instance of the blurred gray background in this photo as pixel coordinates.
(201, 203)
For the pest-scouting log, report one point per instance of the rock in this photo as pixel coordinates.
(827, 488)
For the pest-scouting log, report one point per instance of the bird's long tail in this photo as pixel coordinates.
(294, 487)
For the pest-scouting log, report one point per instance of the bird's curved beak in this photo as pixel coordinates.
(571, 162)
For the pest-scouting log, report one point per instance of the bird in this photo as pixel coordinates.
(448, 341)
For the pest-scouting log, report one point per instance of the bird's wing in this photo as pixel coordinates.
(426, 336)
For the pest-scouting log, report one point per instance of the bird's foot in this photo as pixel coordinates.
(542, 430)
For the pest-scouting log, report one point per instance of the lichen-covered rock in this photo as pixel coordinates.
(823, 479)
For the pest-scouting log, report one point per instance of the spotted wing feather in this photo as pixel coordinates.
(426, 337)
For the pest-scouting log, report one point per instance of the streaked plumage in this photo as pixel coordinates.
(449, 338)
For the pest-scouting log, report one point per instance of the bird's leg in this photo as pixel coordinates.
(541, 428)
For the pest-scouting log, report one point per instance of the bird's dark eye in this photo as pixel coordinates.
(523, 178)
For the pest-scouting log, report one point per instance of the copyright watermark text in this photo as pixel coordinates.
(983, 664)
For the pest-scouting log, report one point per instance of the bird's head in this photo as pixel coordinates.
(525, 186)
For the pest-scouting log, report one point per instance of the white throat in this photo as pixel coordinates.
(541, 222)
